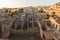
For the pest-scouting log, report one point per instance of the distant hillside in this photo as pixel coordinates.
(54, 8)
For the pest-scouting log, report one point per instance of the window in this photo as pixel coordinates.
(35, 24)
(30, 25)
(25, 26)
(56, 26)
(19, 27)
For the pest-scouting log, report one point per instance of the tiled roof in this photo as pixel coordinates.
(48, 35)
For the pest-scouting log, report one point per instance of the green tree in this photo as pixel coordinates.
(13, 13)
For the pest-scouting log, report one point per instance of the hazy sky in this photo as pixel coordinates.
(23, 3)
